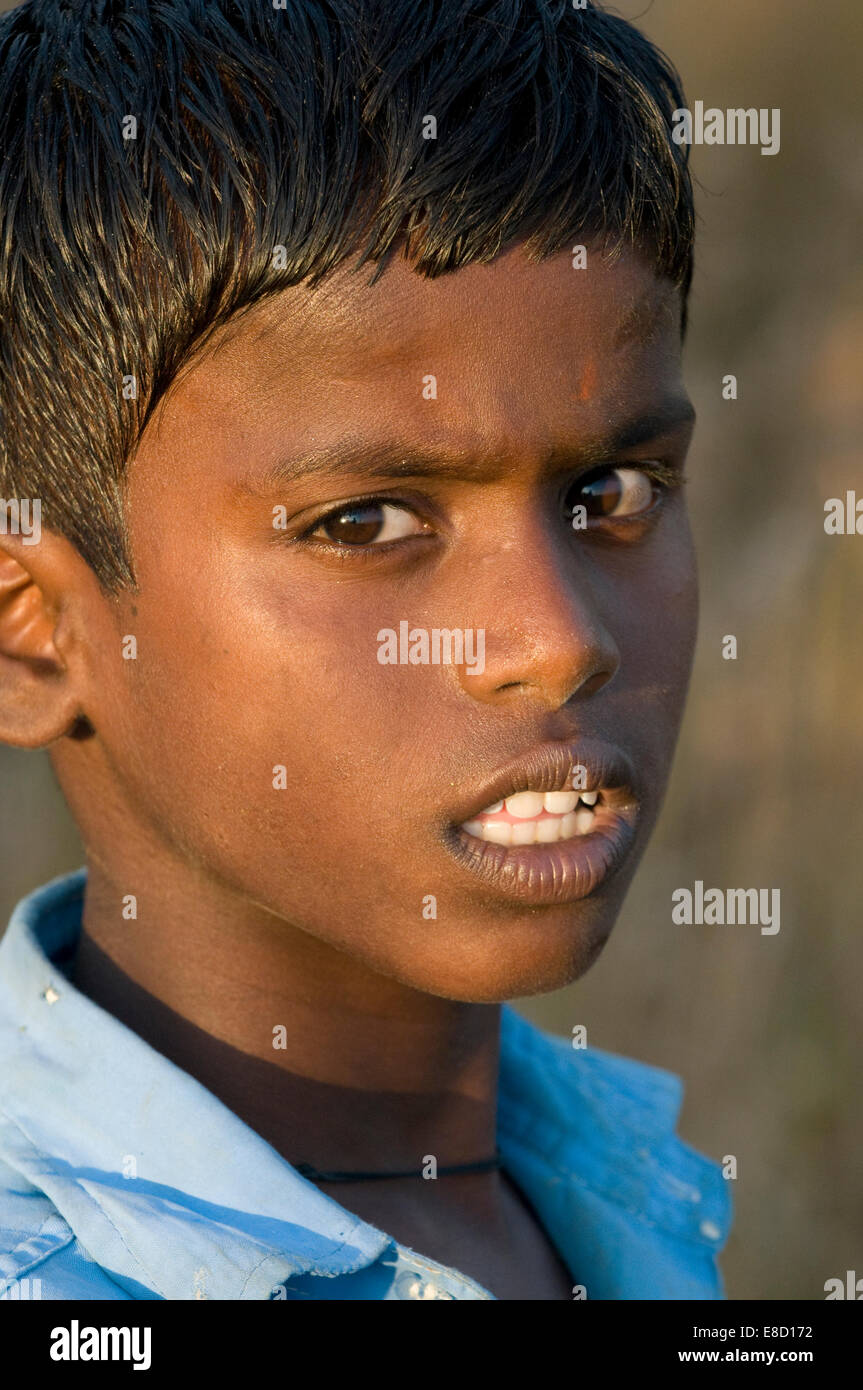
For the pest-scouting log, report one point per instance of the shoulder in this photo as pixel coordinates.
(604, 1100)
(637, 1095)
(609, 1124)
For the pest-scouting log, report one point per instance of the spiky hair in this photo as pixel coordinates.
(153, 153)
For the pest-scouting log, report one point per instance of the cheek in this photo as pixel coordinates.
(654, 623)
(266, 720)
(677, 594)
(662, 615)
(670, 630)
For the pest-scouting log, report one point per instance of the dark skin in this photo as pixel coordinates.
(260, 906)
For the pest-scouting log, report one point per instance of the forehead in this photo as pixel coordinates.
(487, 349)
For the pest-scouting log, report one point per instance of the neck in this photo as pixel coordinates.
(335, 1066)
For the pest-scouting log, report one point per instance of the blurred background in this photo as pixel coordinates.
(764, 1030)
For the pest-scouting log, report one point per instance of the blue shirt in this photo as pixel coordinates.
(121, 1177)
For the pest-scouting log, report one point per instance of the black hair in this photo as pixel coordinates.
(153, 153)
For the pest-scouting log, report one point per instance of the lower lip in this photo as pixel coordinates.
(563, 872)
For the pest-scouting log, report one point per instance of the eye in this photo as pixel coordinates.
(368, 523)
(614, 492)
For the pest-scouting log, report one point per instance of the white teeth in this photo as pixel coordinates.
(525, 805)
(544, 830)
(499, 832)
(537, 818)
(524, 832)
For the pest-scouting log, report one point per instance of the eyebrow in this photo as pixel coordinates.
(400, 459)
(646, 319)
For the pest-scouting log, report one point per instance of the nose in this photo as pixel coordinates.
(537, 603)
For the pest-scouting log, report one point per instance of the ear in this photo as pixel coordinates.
(39, 701)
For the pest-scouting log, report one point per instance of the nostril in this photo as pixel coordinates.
(595, 683)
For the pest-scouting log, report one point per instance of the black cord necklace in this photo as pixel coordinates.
(483, 1165)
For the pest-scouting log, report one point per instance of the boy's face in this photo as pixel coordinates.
(258, 644)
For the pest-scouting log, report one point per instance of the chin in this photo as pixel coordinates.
(536, 957)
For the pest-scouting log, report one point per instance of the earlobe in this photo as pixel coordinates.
(37, 704)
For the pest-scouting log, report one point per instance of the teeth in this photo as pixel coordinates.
(499, 832)
(524, 832)
(525, 805)
(536, 818)
(545, 830)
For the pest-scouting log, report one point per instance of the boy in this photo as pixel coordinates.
(341, 349)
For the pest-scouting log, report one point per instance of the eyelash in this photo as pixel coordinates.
(663, 474)
(379, 499)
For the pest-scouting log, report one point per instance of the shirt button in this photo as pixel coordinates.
(710, 1230)
(410, 1285)
(50, 995)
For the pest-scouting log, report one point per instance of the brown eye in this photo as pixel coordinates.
(355, 525)
(369, 523)
(614, 492)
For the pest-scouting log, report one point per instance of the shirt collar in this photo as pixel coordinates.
(591, 1138)
(87, 1109)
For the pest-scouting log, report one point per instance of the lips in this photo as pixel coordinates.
(527, 838)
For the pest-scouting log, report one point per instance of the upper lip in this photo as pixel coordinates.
(548, 768)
